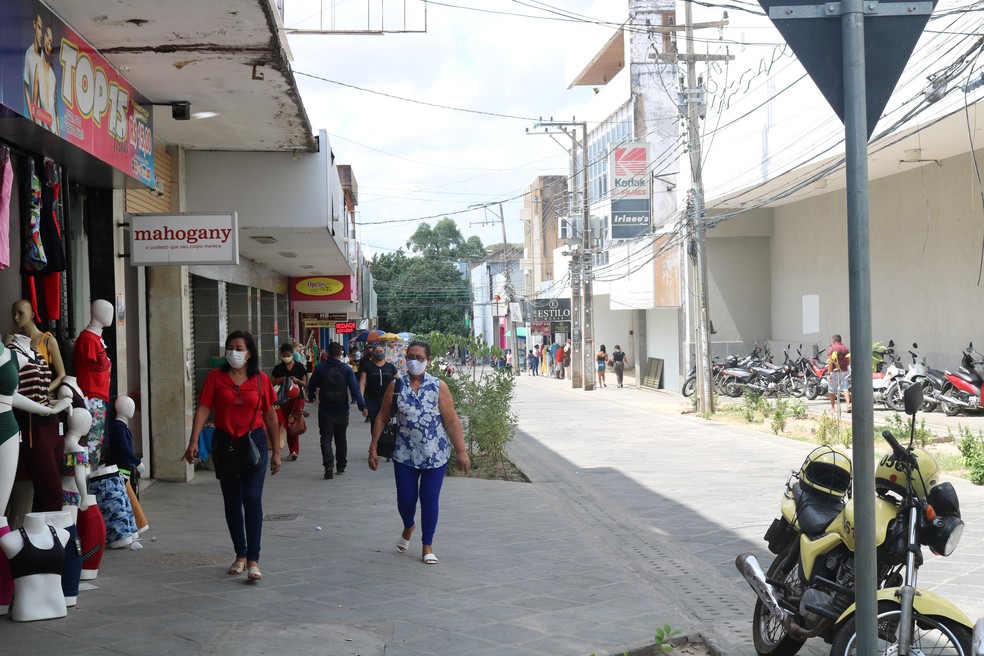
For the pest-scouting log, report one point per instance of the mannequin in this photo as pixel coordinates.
(10, 363)
(37, 557)
(69, 389)
(119, 451)
(6, 579)
(43, 343)
(110, 490)
(41, 450)
(92, 370)
(92, 533)
(75, 463)
(72, 570)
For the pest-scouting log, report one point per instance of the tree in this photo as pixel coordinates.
(420, 294)
(445, 241)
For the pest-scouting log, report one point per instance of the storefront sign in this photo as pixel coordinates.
(541, 328)
(338, 316)
(630, 191)
(321, 288)
(344, 327)
(157, 239)
(550, 309)
(52, 76)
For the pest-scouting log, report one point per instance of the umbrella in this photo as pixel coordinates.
(406, 336)
(363, 336)
(388, 337)
(373, 336)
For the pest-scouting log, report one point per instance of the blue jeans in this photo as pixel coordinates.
(425, 484)
(243, 498)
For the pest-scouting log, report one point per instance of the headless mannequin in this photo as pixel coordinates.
(9, 449)
(44, 343)
(93, 370)
(73, 555)
(36, 596)
(92, 532)
(114, 503)
(76, 462)
(119, 451)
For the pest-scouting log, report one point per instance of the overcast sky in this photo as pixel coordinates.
(412, 160)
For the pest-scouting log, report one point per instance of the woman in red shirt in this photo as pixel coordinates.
(243, 400)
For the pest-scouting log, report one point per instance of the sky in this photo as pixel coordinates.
(413, 161)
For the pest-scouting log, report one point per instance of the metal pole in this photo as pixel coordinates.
(587, 273)
(510, 297)
(859, 286)
(705, 396)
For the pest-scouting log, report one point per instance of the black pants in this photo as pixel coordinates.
(333, 426)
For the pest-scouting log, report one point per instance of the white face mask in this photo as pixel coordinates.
(287, 359)
(358, 355)
(416, 367)
(236, 359)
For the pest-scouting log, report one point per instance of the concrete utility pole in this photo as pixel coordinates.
(582, 313)
(510, 293)
(692, 107)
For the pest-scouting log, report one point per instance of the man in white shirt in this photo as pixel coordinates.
(32, 62)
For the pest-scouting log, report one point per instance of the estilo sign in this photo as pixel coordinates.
(550, 309)
(176, 239)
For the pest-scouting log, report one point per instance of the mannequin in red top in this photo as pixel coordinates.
(92, 371)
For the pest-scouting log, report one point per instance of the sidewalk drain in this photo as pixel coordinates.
(281, 517)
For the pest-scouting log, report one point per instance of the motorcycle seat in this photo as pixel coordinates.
(970, 378)
(815, 510)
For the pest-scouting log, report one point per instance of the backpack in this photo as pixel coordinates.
(334, 389)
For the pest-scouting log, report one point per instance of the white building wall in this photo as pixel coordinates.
(663, 341)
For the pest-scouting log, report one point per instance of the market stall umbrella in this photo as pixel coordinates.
(405, 336)
(372, 336)
(388, 337)
(363, 337)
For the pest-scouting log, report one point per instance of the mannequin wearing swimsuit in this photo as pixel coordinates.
(75, 463)
(10, 364)
(36, 554)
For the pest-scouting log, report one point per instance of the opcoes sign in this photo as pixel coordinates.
(320, 286)
(53, 77)
(159, 239)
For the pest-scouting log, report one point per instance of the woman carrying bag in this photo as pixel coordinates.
(428, 426)
(243, 400)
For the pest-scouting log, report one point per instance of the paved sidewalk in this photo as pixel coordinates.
(631, 521)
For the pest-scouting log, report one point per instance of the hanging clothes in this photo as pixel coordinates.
(34, 258)
(51, 215)
(6, 182)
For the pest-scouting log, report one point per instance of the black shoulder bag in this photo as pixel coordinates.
(234, 457)
(387, 439)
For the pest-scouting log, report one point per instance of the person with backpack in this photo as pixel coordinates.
(333, 379)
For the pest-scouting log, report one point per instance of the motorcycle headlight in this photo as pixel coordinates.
(943, 535)
(943, 499)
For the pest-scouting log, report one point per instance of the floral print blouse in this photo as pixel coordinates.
(421, 441)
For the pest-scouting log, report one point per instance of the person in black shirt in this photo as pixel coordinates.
(290, 368)
(374, 378)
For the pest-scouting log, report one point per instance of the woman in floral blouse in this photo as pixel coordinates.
(429, 425)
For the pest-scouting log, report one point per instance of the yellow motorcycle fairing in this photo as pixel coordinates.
(841, 530)
(924, 603)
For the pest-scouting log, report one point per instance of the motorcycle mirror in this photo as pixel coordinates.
(913, 398)
(914, 345)
(891, 343)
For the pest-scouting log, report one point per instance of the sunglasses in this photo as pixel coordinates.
(418, 358)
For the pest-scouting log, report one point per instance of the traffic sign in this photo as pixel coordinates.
(813, 31)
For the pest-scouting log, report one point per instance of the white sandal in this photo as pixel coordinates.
(430, 559)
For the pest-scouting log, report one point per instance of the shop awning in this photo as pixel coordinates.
(520, 332)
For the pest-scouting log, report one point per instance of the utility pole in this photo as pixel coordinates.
(510, 298)
(692, 107)
(582, 310)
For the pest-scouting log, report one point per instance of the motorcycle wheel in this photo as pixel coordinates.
(689, 386)
(768, 634)
(794, 386)
(932, 635)
(812, 389)
(732, 387)
(950, 409)
(893, 397)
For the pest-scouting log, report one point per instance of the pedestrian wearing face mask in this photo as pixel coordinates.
(428, 427)
(243, 401)
(292, 369)
(374, 377)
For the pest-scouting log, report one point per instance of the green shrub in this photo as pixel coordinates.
(972, 447)
(900, 427)
(826, 430)
(797, 409)
(779, 416)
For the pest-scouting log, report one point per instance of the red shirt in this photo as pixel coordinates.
(233, 411)
(92, 365)
(843, 359)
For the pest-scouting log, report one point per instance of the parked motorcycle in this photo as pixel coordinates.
(885, 376)
(813, 373)
(917, 372)
(690, 382)
(809, 589)
(962, 388)
(761, 378)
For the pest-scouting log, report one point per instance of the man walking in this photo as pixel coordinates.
(334, 380)
(374, 379)
(838, 364)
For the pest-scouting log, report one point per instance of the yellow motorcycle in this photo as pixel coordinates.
(808, 591)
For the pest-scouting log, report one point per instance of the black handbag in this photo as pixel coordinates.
(387, 439)
(234, 457)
